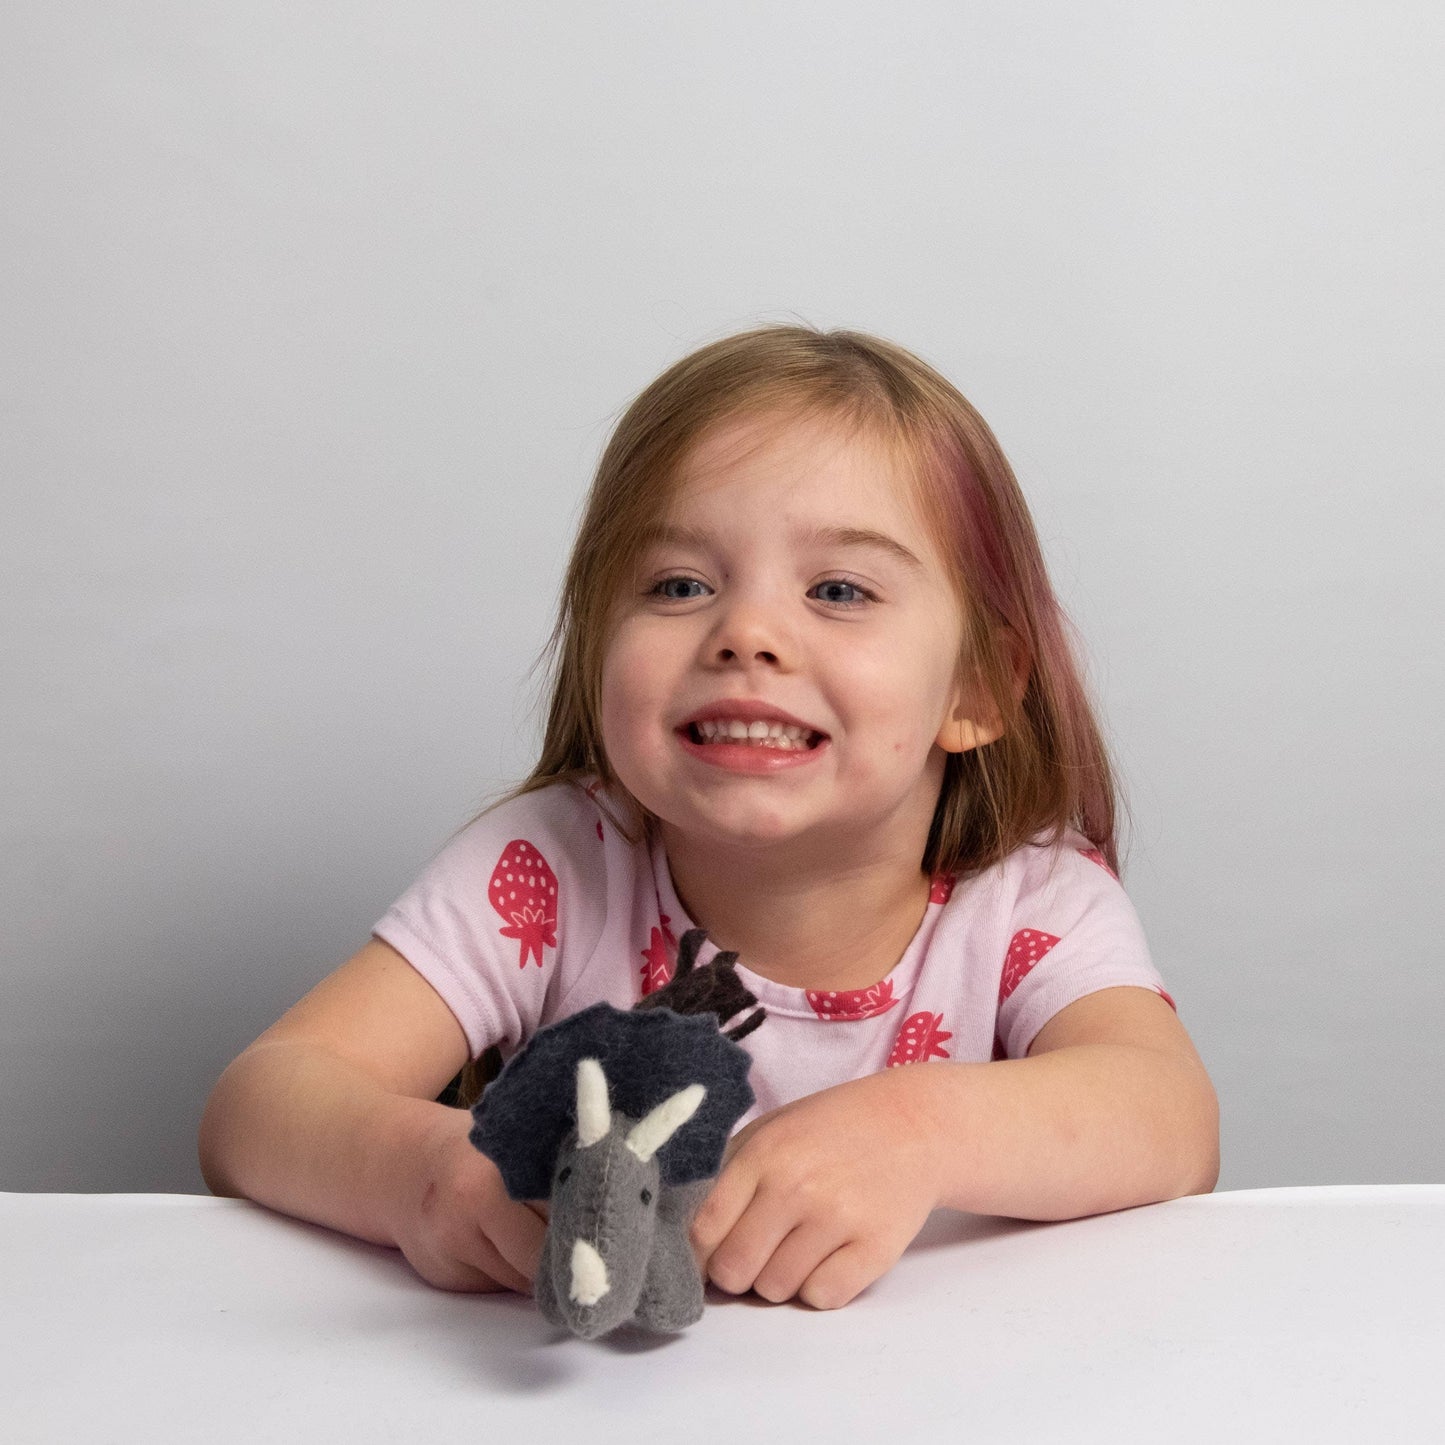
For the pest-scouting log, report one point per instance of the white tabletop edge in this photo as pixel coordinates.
(1274, 1194)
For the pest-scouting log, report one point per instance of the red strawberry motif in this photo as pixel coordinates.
(660, 955)
(1025, 949)
(942, 887)
(855, 1004)
(920, 1039)
(591, 790)
(1094, 856)
(999, 1050)
(524, 891)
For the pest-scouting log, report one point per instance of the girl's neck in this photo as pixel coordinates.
(826, 926)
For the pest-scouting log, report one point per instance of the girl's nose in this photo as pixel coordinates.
(726, 654)
(748, 633)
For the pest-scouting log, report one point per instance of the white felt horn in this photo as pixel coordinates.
(651, 1133)
(594, 1113)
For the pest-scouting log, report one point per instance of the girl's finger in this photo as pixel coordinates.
(488, 1274)
(844, 1275)
(487, 1257)
(721, 1210)
(760, 1228)
(516, 1233)
(797, 1256)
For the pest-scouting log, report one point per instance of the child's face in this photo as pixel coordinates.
(850, 638)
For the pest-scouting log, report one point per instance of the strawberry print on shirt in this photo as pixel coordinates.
(853, 1004)
(659, 957)
(920, 1039)
(1025, 949)
(485, 925)
(524, 891)
(1094, 856)
(591, 790)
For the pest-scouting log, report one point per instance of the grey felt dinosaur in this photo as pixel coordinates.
(620, 1119)
(617, 1241)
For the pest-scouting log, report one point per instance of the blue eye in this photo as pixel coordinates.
(843, 582)
(658, 589)
(674, 590)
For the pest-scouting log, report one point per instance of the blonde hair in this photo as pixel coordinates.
(1048, 770)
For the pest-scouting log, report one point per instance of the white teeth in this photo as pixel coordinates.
(755, 734)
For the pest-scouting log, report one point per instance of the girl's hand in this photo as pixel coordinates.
(821, 1197)
(456, 1224)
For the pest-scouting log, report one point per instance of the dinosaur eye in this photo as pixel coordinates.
(647, 1196)
(562, 1176)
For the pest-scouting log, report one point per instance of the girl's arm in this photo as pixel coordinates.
(1112, 1109)
(330, 1116)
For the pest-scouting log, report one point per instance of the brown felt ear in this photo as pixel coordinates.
(688, 950)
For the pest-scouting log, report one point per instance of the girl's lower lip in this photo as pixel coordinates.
(746, 758)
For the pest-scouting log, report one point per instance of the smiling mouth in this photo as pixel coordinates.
(780, 741)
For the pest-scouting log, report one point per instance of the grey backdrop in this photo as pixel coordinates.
(315, 322)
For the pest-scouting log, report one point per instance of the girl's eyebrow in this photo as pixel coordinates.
(816, 535)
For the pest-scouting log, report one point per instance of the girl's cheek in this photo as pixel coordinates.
(626, 676)
(631, 701)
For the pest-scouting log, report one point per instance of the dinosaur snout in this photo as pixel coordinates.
(589, 1274)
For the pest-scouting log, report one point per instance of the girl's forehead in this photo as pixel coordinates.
(821, 458)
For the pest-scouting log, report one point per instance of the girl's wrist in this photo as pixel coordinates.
(930, 1123)
(945, 1101)
(414, 1134)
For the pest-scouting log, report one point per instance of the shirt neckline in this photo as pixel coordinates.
(784, 999)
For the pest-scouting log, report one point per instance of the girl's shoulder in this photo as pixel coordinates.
(563, 805)
(533, 833)
(506, 916)
(572, 821)
(1062, 883)
(1047, 853)
(1048, 870)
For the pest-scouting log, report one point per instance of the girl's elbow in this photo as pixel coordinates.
(206, 1155)
(214, 1139)
(1203, 1173)
(1208, 1176)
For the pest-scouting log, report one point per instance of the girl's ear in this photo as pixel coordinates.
(972, 719)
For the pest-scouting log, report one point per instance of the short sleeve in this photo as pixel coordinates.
(1073, 932)
(492, 918)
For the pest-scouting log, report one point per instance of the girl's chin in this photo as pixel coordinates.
(737, 837)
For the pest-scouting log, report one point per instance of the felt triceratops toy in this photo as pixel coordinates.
(620, 1118)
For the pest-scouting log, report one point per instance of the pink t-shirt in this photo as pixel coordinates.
(541, 908)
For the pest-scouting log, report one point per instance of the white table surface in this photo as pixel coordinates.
(1313, 1314)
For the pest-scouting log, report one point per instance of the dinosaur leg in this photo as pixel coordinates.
(672, 1290)
(544, 1286)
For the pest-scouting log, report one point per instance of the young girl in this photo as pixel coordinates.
(813, 695)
